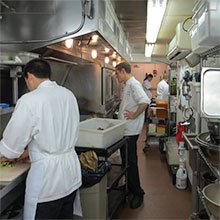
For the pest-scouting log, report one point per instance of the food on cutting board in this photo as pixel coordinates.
(7, 164)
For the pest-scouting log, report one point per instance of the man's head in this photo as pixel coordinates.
(35, 72)
(123, 72)
(165, 77)
(150, 77)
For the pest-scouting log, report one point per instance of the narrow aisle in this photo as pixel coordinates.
(162, 199)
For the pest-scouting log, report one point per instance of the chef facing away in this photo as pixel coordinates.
(46, 120)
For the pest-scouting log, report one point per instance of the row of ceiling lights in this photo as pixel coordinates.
(69, 44)
(155, 13)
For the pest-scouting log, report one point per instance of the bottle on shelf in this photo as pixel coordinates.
(173, 86)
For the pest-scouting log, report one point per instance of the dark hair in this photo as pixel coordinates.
(40, 68)
(146, 74)
(150, 76)
(125, 66)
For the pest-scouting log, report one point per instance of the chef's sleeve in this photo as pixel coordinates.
(18, 132)
(139, 94)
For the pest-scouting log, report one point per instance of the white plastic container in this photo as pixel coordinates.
(181, 178)
(100, 132)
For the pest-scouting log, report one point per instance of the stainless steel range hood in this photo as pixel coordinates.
(30, 25)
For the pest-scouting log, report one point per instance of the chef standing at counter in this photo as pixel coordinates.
(133, 104)
(47, 121)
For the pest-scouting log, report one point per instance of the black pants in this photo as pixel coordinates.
(133, 174)
(57, 209)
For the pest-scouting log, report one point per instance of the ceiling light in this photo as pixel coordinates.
(114, 63)
(107, 50)
(148, 49)
(107, 60)
(94, 54)
(95, 38)
(114, 54)
(69, 43)
(155, 13)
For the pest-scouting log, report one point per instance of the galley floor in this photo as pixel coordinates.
(162, 199)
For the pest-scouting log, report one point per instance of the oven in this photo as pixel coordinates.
(95, 88)
(109, 88)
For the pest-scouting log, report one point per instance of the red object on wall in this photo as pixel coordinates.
(179, 135)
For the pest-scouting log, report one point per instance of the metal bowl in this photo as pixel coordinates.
(211, 194)
(210, 150)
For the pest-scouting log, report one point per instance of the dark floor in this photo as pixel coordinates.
(162, 199)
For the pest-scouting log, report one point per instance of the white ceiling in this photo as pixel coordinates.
(132, 15)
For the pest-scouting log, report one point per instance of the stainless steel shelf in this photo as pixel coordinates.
(213, 169)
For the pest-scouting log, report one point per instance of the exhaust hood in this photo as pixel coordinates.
(41, 26)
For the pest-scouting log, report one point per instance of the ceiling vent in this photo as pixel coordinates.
(180, 45)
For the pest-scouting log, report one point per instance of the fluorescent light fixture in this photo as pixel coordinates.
(148, 49)
(69, 43)
(155, 13)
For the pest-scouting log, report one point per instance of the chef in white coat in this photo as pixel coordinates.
(133, 104)
(163, 88)
(47, 121)
(147, 85)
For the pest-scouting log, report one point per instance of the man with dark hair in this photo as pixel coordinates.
(46, 120)
(133, 104)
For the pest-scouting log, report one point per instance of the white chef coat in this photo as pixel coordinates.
(162, 90)
(147, 86)
(47, 120)
(133, 95)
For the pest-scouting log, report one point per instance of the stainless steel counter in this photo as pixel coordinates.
(9, 192)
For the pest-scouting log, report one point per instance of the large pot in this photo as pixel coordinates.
(211, 194)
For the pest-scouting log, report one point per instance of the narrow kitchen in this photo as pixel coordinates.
(109, 109)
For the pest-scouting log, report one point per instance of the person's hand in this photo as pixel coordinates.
(24, 157)
(5, 159)
(129, 114)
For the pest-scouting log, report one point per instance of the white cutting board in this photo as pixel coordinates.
(8, 174)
